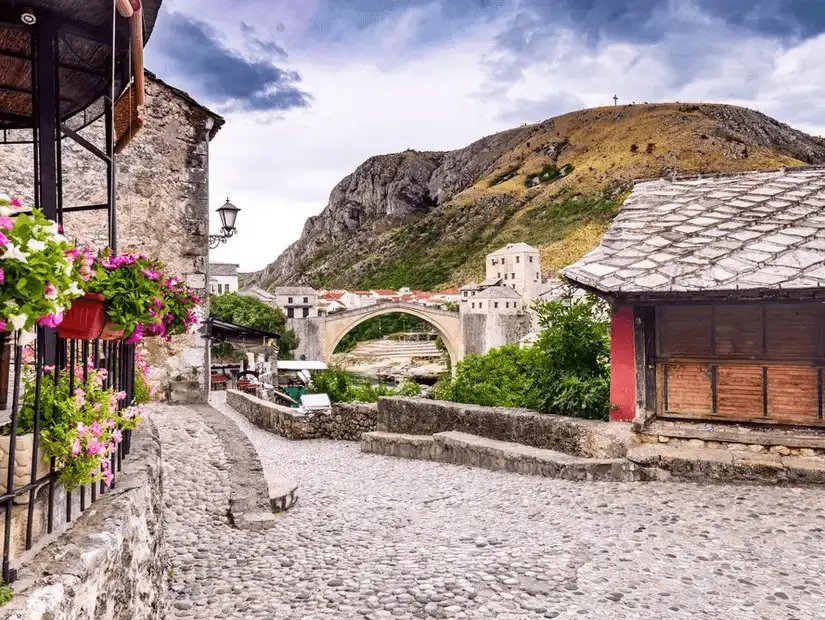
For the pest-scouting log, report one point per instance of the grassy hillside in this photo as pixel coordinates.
(558, 190)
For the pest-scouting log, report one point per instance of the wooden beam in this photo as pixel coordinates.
(124, 7)
(136, 23)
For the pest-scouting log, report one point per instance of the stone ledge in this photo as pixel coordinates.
(465, 449)
(585, 438)
(807, 442)
(251, 502)
(714, 465)
(110, 565)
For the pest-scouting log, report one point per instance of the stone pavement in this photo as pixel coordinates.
(379, 537)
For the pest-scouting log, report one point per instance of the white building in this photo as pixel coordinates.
(517, 266)
(297, 301)
(495, 300)
(259, 294)
(223, 278)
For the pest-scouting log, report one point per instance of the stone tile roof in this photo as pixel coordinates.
(763, 230)
(223, 269)
(498, 292)
(513, 248)
(295, 291)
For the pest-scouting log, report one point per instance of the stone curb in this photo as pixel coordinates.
(251, 499)
(465, 449)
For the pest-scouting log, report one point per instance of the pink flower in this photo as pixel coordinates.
(136, 335)
(2, 275)
(80, 397)
(95, 447)
(117, 436)
(108, 477)
(2, 325)
(81, 429)
(51, 290)
(4, 240)
(48, 368)
(158, 303)
(6, 222)
(51, 320)
(15, 202)
(111, 423)
(120, 396)
(151, 273)
(96, 429)
(76, 447)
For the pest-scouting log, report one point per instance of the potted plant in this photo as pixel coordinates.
(38, 280)
(79, 428)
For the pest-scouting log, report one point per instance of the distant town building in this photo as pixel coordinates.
(259, 294)
(495, 300)
(297, 301)
(223, 278)
(516, 266)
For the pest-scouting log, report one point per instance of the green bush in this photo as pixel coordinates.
(255, 314)
(342, 388)
(566, 372)
(6, 593)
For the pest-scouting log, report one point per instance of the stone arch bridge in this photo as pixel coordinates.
(447, 324)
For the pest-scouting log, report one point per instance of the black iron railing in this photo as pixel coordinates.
(55, 356)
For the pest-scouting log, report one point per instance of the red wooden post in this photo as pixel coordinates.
(622, 366)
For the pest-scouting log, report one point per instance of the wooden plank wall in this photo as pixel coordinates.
(742, 363)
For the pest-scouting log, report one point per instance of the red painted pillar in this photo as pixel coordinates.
(622, 366)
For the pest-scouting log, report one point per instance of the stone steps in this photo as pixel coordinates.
(465, 449)
(724, 465)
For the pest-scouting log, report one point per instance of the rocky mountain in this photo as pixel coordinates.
(425, 219)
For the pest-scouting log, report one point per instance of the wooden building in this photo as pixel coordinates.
(718, 301)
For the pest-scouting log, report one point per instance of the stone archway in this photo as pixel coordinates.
(446, 324)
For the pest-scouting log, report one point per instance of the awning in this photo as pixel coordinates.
(301, 365)
(226, 331)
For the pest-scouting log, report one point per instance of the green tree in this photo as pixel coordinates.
(342, 388)
(500, 378)
(570, 362)
(253, 313)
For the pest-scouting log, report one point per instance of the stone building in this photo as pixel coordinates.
(493, 317)
(517, 266)
(495, 300)
(162, 182)
(297, 302)
(716, 287)
(223, 278)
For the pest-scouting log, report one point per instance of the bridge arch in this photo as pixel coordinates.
(446, 324)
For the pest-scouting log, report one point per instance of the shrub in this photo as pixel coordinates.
(508, 174)
(342, 388)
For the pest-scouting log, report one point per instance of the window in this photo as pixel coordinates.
(531, 258)
(473, 305)
(306, 300)
(306, 312)
(512, 276)
(538, 276)
(480, 305)
(499, 275)
(290, 313)
(505, 276)
(503, 261)
(495, 304)
(289, 300)
(517, 258)
(506, 304)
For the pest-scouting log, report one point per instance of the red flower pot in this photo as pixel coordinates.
(87, 320)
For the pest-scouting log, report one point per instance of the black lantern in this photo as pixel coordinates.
(228, 213)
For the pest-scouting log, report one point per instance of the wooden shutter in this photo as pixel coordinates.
(684, 331)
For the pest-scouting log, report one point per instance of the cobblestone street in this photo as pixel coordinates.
(378, 537)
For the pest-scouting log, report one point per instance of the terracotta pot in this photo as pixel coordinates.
(23, 450)
(85, 319)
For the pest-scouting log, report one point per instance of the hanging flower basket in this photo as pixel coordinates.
(87, 320)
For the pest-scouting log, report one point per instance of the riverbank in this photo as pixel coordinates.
(392, 369)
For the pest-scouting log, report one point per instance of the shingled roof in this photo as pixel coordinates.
(747, 232)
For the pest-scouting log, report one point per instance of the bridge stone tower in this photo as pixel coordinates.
(493, 317)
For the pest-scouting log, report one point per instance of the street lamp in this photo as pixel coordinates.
(229, 214)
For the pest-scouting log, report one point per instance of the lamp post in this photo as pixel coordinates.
(229, 214)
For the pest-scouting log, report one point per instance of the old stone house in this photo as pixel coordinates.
(517, 266)
(718, 300)
(223, 278)
(162, 180)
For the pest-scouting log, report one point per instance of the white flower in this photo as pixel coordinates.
(67, 268)
(53, 230)
(4, 199)
(36, 245)
(60, 238)
(5, 211)
(14, 253)
(18, 320)
(26, 338)
(10, 303)
(74, 289)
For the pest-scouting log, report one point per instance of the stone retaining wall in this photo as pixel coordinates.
(111, 564)
(347, 421)
(587, 438)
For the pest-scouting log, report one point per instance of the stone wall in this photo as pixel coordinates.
(347, 421)
(162, 202)
(310, 332)
(587, 438)
(111, 564)
(482, 332)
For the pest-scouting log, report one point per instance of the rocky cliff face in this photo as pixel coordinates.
(424, 218)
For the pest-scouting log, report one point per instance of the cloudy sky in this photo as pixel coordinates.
(311, 88)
